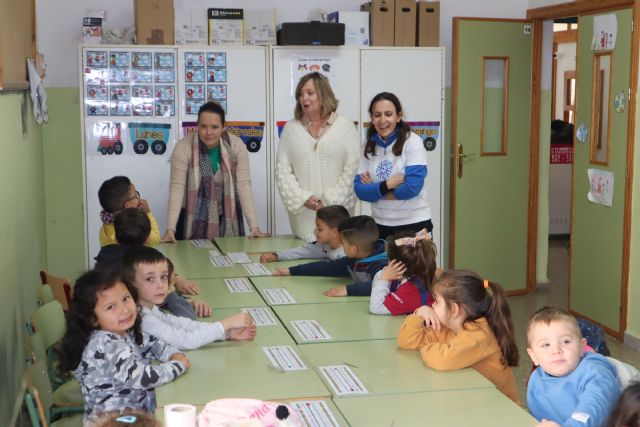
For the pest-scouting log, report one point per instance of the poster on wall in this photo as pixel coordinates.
(600, 187)
(605, 31)
(107, 138)
(205, 78)
(305, 65)
(251, 133)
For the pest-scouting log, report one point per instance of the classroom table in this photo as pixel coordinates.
(383, 368)
(454, 408)
(193, 263)
(343, 322)
(257, 244)
(218, 295)
(305, 289)
(239, 371)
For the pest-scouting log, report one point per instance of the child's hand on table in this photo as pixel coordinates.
(238, 321)
(393, 271)
(202, 308)
(242, 333)
(186, 287)
(268, 257)
(181, 357)
(547, 423)
(429, 316)
(338, 291)
(281, 272)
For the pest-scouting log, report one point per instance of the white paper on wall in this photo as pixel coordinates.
(600, 187)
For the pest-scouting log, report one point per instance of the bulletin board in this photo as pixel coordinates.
(17, 42)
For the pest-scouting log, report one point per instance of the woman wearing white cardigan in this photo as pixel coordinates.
(317, 157)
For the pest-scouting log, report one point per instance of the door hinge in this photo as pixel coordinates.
(629, 96)
(632, 25)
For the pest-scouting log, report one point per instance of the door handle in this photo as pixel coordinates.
(461, 157)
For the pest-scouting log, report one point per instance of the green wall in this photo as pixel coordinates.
(63, 184)
(22, 253)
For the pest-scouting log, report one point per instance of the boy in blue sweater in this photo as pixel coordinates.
(569, 387)
(364, 257)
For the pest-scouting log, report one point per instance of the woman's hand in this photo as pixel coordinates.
(430, 318)
(365, 178)
(393, 271)
(169, 236)
(255, 232)
(313, 203)
(394, 181)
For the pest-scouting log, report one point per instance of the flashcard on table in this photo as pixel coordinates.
(284, 358)
(256, 269)
(315, 413)
(220, 261)
(261, 316)
(214, 252)
(239, 257)
(310, 330)
(343, 380)
(279, 296)
(203, 243)
(238, 285)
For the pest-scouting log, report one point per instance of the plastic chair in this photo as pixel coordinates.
(44, 295)
(61, 288)
(68, 393)
(50, 322)
(39, 401)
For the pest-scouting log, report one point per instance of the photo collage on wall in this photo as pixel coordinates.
(125, 83)
(205, 78)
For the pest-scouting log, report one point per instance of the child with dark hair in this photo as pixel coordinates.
(327, 244)
(147, 270)
(365, 256)
(110, 355)
(627, 411)
(116, 194)
(404, 284)
(469, 325)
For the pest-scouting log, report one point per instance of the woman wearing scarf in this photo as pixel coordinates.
(210, 178)
(317, 156)
(393, 170)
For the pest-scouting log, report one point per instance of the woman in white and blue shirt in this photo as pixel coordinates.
(393, 170)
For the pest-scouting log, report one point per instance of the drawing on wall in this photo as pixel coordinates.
(428, 131)
(251, 133)
(582, 132)
(303, 65)
(605, 30)
(207, 70)
(619, 102)
(145, 136)
(600, 187)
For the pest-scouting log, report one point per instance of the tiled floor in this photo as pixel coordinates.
(555, 294)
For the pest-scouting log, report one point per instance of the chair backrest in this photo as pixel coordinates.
(39, 387)
(44, 294)
(37, 348)
(61, 287)
(49, 321)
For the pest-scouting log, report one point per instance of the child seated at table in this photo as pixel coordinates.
(569, 387)
(147, 270)
(404, 284)
(627, 411)
(109, 353)
(327, 244)
(132, 228)
(468, 326)
(365, 256)
(116, 194)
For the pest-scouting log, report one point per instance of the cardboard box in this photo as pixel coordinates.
(428, 26)
(382, 23)
(154, 21)
(260, 27)
(405, 23)
(311, 33)
(226, 26)
(356, 26)
(191, 27)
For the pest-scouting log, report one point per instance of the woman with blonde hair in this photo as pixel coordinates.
(317, 157)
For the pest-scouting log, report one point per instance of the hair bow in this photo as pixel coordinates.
(420, 235)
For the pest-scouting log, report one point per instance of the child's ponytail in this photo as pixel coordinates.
(418, 254)
(499, 317)
(481, 298)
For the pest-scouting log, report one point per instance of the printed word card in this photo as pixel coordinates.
(310, 330)
(261, 316)
(238, 284)
(343, 380)
(214, 252)
(284, 358)
(279, 296)
(256, 269)
(239, 257)
(203, 243)
(315, 413)
(220, 261)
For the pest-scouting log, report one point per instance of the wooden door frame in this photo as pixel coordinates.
(533, 171)
(538, 15)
